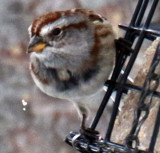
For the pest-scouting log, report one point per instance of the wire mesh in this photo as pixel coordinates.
(135, 30)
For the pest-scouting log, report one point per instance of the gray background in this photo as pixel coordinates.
(46, 121)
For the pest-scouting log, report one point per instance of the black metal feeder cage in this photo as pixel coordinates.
(135, 33)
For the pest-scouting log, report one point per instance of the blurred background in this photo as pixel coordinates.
(43, 123)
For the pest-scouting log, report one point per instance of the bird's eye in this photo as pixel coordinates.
(56, 31)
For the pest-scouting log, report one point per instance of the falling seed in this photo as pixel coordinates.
(24, 109)
(24, 103)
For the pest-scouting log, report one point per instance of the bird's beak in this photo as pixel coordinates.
(36, 44)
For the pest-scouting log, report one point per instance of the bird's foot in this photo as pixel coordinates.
(88, 133)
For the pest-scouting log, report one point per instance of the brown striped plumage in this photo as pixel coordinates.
(53, 16)
(72, 54)
(43, 20)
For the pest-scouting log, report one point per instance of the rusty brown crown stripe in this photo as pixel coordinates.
(53, 16)
(43, 20)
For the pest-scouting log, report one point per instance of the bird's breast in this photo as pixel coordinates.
(60, 80)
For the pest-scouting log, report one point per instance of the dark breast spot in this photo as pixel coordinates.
(74, 81)
(67, 85)
(63, 85)
(48, 75)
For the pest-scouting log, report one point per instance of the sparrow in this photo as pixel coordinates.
(72, 54)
